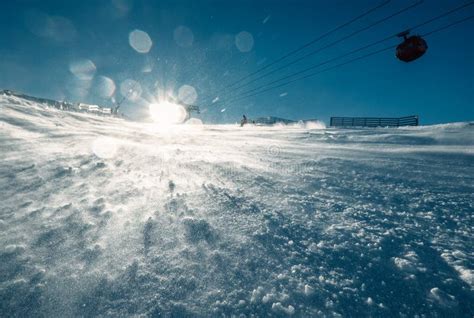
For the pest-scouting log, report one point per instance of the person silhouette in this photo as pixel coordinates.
(243, 121)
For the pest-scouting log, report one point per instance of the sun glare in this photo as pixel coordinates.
(167, 113)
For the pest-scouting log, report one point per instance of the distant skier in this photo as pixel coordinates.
(243, 121)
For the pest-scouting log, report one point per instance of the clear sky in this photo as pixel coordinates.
(91, 51)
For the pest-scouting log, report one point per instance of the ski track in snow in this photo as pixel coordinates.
(104, 217)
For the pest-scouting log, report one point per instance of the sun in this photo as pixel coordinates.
(167, 113)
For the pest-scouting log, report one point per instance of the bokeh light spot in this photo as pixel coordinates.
(187, 94)
(183, 36)
(83, 69)
(244, 41)
(55, 28)
(140, 41)
(105, 87)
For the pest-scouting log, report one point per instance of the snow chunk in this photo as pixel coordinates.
(279, 308)
(267, 298)
(256, 294)
(313, 247)
(404, 264)
(466, 274)
(308, 290)
(409, 263)
(455, 259)
(442, 298)
(369, 301)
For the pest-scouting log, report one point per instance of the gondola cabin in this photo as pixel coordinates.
(412, 47)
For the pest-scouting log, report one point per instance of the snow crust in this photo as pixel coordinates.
(104, 217)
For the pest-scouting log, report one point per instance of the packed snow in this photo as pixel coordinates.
(104, 217)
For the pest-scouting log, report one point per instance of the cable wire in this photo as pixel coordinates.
(333, 43)
(311, 42)
(302, 47)
(358, 49)
(352, 60)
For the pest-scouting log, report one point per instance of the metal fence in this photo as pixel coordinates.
(374, 121)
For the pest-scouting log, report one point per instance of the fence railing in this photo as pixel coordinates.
(374, 121)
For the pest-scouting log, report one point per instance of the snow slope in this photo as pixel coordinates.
(103, 217)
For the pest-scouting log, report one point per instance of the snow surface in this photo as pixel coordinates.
(104, 217)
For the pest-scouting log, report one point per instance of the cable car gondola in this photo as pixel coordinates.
(411, 48)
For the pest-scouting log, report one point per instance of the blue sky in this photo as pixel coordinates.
(82, 50)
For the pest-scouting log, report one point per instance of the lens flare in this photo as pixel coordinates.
(104, 87)
(140, 41)
(183, 36)
(244, 41)
(187, 94)
(167, 113)
(83, 69)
